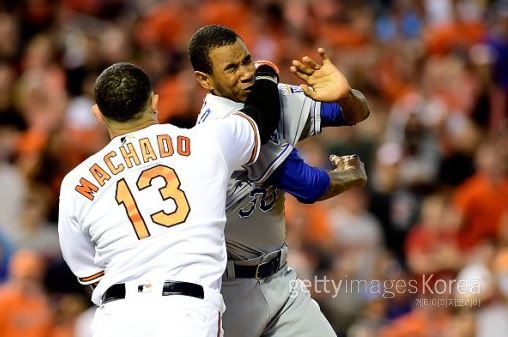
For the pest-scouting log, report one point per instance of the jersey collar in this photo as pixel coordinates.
(216, 107)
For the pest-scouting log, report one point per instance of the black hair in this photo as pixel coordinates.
(122, 91)
(204, 40)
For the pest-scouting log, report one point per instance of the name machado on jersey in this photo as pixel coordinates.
(116, 161)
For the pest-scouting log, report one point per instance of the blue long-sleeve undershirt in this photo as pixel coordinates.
(301, 180)
(331, 115)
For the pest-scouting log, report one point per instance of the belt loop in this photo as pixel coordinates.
(230, 270)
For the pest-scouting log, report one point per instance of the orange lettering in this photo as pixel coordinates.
(86, 188)
(165, 145)
(129, 155)
(183, 146)
(114, 169)
(147, 150)
(99, 174)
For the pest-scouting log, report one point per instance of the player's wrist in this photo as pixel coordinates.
(346, 97)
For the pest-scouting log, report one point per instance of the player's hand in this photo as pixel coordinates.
(353, 164)
(323, 82)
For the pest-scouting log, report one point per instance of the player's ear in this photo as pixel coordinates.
(155, 102)
(97, 112)
(204, 80)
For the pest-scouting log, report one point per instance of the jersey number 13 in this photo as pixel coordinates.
(170, 190)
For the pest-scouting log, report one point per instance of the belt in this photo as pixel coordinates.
(260, 271)
(117, 291)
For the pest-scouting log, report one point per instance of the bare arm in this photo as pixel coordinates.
(349, 172)
(354, 107)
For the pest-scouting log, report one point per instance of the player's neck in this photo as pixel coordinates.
(119, 129)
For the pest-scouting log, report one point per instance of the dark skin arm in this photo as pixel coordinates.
(349, 173)
(325, 83)
(354, 107)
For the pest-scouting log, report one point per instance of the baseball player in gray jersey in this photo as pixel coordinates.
(257, 282)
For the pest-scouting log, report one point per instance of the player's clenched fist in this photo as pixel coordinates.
(353, 164)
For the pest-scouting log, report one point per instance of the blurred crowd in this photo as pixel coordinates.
(435, 73)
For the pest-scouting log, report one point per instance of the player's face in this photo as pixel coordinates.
(232, 71)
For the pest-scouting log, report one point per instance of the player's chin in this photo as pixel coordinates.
(242, 96)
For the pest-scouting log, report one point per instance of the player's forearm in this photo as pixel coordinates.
(354, 107)
(343, 180)
(304, 182)
(263, 104)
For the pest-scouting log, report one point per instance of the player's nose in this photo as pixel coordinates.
(247, 73)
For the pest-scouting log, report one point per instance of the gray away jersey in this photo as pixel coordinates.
(255, 210)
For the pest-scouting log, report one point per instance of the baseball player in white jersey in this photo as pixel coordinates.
(143, 221)
(256, 285)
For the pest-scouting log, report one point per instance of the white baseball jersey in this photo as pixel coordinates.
(255, 212)
(150, 205)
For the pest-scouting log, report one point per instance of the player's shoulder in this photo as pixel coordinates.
(222, 124)
(228, 132)
(157, 130)
(289, 89)
(292, 97)
(216, 107)
(211, 130)
(162, 128)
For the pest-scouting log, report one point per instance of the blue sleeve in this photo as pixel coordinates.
(301, 180)
(331, 115)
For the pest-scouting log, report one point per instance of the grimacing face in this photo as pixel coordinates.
(232, 71)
